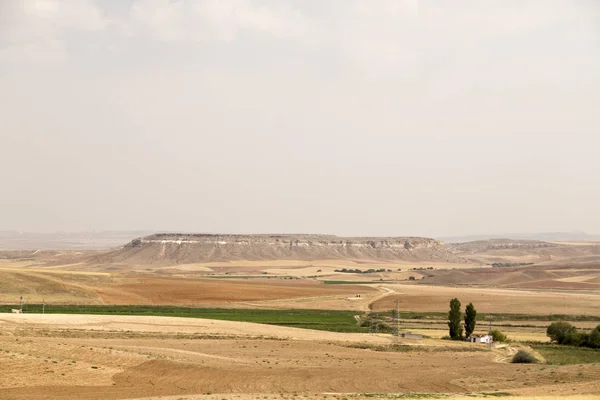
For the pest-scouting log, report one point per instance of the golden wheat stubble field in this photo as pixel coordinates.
(115, 357)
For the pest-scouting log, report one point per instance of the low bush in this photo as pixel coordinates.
(523, 357)
(498, 336)
(576, 338)
(561, 332)
(375, 322)
(593, 339)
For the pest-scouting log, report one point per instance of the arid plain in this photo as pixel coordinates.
(72, 351)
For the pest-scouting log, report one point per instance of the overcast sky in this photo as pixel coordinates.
(349, 117)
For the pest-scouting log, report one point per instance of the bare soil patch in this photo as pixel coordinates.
(176, 290)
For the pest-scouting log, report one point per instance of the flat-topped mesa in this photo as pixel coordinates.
(300, 240)
(194, 248)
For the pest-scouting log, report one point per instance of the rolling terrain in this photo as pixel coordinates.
(115, 357)
(183, 269)
(576, 276)
(329, 286)
(77, 287)
(526, 251)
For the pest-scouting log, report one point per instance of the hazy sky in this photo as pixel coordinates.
(350, 117)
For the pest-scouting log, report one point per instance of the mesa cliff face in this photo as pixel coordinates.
(194, 248)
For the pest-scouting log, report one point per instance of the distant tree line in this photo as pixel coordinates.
(499, 265)
(566, 334)
(358, 271)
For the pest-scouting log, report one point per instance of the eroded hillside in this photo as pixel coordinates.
(195, 248)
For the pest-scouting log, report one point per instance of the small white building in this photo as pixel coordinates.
(479, 338)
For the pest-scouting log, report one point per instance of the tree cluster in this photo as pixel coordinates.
(455, 317)
(500, 265)
(359, 271)
(566, 334)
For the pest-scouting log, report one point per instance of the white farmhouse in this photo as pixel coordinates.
(479, 338)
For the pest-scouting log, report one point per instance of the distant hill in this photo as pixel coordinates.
(172, 249)
(544, 236)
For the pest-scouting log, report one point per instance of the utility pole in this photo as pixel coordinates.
(398, 318)
(43, 306)
(490, 332)
(21, 303)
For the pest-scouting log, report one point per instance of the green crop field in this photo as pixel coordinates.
(327, 320)
(566, 355)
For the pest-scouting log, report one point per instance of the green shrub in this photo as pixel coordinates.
(523, 357)
(498, 336)
(560, 332)
(575, 338)
(375, 322)
(593, 339)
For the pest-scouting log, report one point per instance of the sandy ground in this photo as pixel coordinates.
(118, 357)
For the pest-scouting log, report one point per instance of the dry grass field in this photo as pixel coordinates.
(576, 276)
(527, 251)
(435, 298)
(100, 357)
(82, 287)
(67, 287)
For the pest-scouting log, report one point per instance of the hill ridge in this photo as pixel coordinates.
(169, 248)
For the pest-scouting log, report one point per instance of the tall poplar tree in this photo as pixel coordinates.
(470, 316)
(454, 320)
